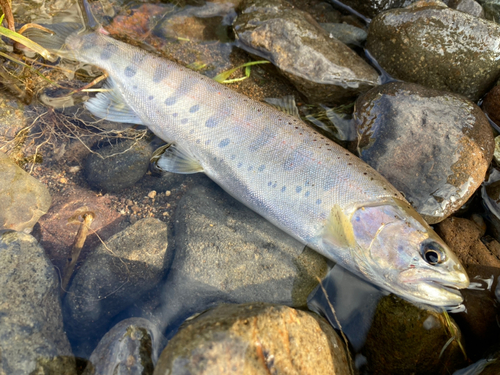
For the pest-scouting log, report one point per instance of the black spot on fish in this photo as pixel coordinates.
(298, 189)
(109, 50)
(130, 71)
(198, 141)
(161, 72)
(269, 183)
(224, 142)
(259, 142)
(171, 101)
(318, 201)
(175, 114)
(212, 122)
(240, 165)
(194, 108)
(151, 97)
(207, 142)
(262, 167)
(184, 121)
(283, 189)
(250, 168)
(307, 194)
(233, 157)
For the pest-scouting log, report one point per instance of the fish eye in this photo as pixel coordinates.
(433, 253)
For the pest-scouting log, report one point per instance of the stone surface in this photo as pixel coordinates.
(131, 347)
(491, 9)
(432, 145)
(347, 34)
(119, 166)
(32, 337)
(437, 47)
(491, 105)
(255, 339)
(467, 6)
(58, 234)
(131, 262)
(322, 68)
(405, 339)
(370, 8)
(24, 198)
(224, 252)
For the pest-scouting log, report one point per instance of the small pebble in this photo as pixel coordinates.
(129, 202)
(168, 193)
(74, 169)
(63, 180)
(152, 194)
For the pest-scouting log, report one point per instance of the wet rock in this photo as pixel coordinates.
(434, 146)
(467, 6)
(224, 252)
(370, 8)
(32, 338)
(482, 262)
(437, 47)
(255, 339)
(119, 166)
(130, 347)
(491, 9)
(414, 338)
(491, 104)
(347, 34)
(324, 69)
(58, 235)
(124, 268)
(24, 198)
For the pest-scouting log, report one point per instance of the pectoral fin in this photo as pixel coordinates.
(171, 158)
(285, 104)
(111, 105)
(338, 230)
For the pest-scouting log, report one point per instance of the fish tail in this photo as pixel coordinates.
(56, 38)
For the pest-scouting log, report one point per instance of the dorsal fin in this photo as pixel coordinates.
(110, 105)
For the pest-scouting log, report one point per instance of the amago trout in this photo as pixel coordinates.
(302, 182)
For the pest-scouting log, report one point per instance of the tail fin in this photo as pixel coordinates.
(55, 42)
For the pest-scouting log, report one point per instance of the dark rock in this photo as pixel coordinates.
(347, 34)
(414, 337)
(491, 9)
(434, 146)
(491, 104)
(119, 166)
(324, 69)
(32, 338)
(117, 273)
(24, 198)
(255, 339)
(131, 347)
(224, 252)
(370, 8)
(438, 47)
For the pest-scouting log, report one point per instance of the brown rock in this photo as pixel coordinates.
(491, 105)
(255, 339)
(57, 234)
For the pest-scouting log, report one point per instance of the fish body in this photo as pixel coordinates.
(302, 182)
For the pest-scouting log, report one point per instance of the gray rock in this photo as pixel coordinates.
(258, 339)
(437, 47)
(370, 8)
(324, 69)
(131, 262)
(227, 253)
(32, 338)
(347, 34)
(119, 166)
(491, 9)
(432, 145)
(467, 6)
(131, 347)
(24, 198)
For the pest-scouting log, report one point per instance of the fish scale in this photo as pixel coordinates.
(302, 182)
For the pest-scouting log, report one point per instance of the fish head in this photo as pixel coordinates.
(396, 249)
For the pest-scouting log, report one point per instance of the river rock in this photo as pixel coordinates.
(255, 339)
(131, 347)
(24, 198)
(224, 252)
(491, 105)
(370, 8)
(32, 337)
(119, 166)
(347, 34)
(120, 271)
(405, 339)
(491, 9)
(438, 47)
(432, 145)
(468, 6)
(322, 68)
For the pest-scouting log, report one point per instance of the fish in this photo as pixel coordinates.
(274, 163)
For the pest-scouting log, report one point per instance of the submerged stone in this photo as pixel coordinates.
(438, 47)
(258, 339)
(32, 337)
(24, 198)
(347, 34)
(324, 69)
(433, 146)
(370, 8)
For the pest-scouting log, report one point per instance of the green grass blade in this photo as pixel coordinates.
(223, 77)
(26, 42)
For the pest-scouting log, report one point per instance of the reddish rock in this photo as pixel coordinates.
(58, 234)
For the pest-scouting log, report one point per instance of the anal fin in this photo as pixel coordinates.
(111, 105)
(171, 158)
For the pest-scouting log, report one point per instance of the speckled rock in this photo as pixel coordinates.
(131, 347)
(432, 145)
(24, 198)
(255, 339)
(32, 338)
(491, 9)
(224, 252)
(438, 47)
(370, 8)
(119, 166)
(324, 69)
(468, 6)
(130, 263)
(347, 34)
(491, 105)
(414, 337)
